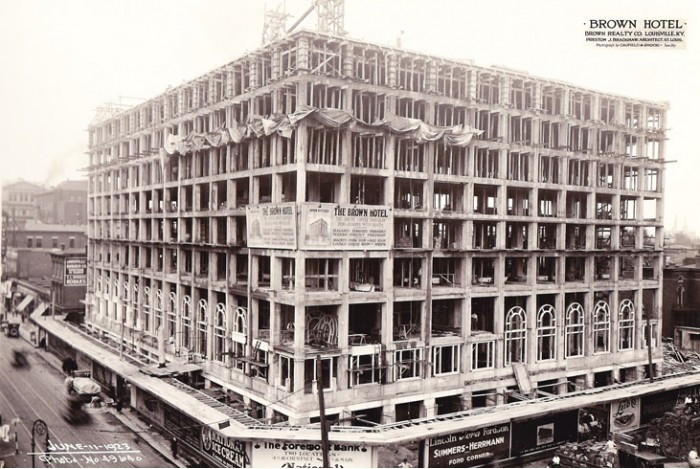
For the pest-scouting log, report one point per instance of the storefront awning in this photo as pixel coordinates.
(23, 304)
(170, 369)
(39, 310)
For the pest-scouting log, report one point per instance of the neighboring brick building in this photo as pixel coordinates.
(65, 204)
(681, 302)
(19, 201)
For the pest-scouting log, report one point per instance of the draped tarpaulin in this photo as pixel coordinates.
(257, 126)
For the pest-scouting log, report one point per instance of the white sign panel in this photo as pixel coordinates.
(348, 227)
(76, 272)
(624, 414)
(309, 454)
(272, 226)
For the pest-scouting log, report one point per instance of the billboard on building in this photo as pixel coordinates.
(348, 227)
(470, 448)
(272, 226)
(309, 454)
(226, 451)
(625, 414)
(75, 272)
(541, 433)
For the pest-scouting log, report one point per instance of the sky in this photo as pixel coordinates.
(63, 60)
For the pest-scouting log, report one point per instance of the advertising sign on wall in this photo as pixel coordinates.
(76, 272)
(350, 227)
(470, 448)
(624, 414)
(225, 450)
(309, 454)
(542, 433)
(272, 226)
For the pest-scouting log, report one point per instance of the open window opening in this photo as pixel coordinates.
(628, 267)
(628, 237)
(603, 237)
(324, 146)
(446, 320)
(518, 168)
(450, 160)
(552, 100)
(546, 269)
(448, 197)
(484, 235)
(322, 187)
(516, 235)
(408, 233)
(409, 193)
(365, 324)
(368, 151)
(606, 175)
(485, 199)
(575, 269)
(407, 320)
(366, 274)
(410, 156)
(628, 208)
(242, 192)
(576, 206)
(516, 270)
(407, 272)
(447, 272)
(603, 268)
(547, 203)
(547, 236)
(447, 234)
(485, 163)
(367, 190)
(321, 327)
(484, 269)
(483, 315)
(322, 274)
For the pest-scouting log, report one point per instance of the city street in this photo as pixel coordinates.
(36, 392)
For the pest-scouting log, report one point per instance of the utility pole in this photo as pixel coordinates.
(649, 335)
(322, 410)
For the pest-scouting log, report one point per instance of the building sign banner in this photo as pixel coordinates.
(624, 414)
(76, 272)
(309, 454)
(225, 450)
(470, 448)
(543, 433)
(349, 227)
(272, 225)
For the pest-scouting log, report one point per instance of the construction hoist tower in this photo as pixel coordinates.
(274, 26)
(331, 16)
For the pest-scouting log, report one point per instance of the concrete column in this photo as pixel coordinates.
(430, 407)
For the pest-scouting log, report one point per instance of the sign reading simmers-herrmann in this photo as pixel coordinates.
(470, 448)
(75, 272)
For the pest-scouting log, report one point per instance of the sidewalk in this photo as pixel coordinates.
(127, 416)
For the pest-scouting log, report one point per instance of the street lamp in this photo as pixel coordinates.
(40, 428)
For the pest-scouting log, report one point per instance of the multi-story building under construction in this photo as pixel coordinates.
(440, 235)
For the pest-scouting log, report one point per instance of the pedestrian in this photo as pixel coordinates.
(118, 406)
(556, 462)
(173, 446)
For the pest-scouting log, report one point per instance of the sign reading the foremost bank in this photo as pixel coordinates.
(309, 454)
(272, 225)
(349, 227)
(470, 448)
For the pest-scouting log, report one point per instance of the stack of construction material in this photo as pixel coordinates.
(586, 454)
(677, 431)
